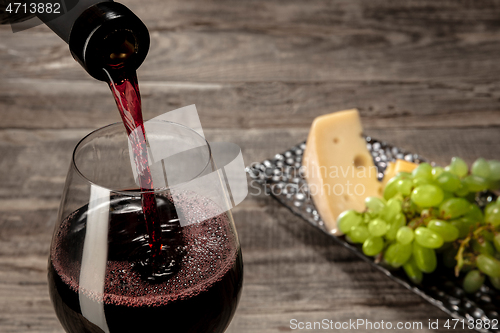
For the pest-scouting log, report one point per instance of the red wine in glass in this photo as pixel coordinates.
(201, 297)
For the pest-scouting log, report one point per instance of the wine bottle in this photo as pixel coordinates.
(100, 34)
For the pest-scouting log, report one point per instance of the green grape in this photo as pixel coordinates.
(404, 186)
(391, 188)
(447, 195)
(469, 223)
(492, 214)
(412, 271)
(373, 246)
(453, 208)
(428, 238)
(421, 181)
(348, 219)
(371, 216)
(475, 213)
(476, 183)
(458, 167)
(446, 230)
(496, 242)
(427, 195)
(404, 175)
(448, 181)
(393, 201)
(463, 225)
(374, 204)
(359, 233)
(481, 168)
(492, 205)
(405, 235)
(449, 260)
(483, 247)
(425, 258)
(378, 227)
(463, 190)
(391, 209)
(473, 281)
(397, 254)
(488, 265)
(423, 170)
(494, 170)
(495, 282)
(398, 222)
(436, 172)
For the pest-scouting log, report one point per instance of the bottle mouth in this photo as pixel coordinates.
(108, 35)
(118, 48)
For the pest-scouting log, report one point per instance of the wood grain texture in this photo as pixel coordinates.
(256, 40)
(399, 62)
(424, 75)
(87, 104)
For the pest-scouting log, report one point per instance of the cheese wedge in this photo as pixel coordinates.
(393, 168)
(338, 167)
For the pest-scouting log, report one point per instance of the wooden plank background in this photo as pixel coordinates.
(424, 74)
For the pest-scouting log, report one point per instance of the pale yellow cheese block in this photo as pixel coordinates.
(393, 168)
(338, 167)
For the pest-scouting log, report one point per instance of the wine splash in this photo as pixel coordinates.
(125, 90)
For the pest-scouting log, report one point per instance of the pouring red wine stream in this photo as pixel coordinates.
(125, 90)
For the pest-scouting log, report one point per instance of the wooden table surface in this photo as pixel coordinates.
(424, 74)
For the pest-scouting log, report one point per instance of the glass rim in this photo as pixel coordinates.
(137, 192)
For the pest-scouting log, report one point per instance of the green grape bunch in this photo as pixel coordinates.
(433, 212)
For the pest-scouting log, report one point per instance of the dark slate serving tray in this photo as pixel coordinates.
(281, 178)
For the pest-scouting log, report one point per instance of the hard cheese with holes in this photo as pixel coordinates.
(338, 167)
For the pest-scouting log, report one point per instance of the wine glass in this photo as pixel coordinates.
(107, 273)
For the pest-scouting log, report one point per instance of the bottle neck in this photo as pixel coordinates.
(103, 34)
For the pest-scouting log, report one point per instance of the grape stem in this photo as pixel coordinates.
(460, 254)
(473, 234)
